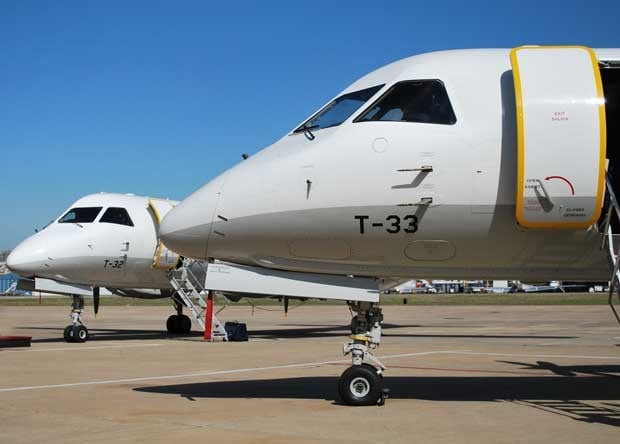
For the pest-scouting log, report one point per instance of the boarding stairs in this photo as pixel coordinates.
(613, 245)
(190, 289)
(11, 290)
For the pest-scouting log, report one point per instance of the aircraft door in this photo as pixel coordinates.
(164, 258)
(561, 136)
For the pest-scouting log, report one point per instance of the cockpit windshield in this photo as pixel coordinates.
(339, 110)
(80, 215)
(119, 216)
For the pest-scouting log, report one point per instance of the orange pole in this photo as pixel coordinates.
(209, 318)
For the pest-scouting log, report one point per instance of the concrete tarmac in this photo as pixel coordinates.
(484, 374)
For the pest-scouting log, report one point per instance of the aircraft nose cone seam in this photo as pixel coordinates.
(186, 227)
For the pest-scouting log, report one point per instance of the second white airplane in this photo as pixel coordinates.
(102, 242)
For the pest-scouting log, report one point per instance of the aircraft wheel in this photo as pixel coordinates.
(173, 324)
(81, 334)
(185, 324)
(68, 333)
(360, 385)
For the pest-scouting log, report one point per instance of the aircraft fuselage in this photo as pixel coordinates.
(391, 198)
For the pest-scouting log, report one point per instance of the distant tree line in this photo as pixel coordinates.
(4, 254)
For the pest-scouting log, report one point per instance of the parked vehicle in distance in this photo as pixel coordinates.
(414, 286)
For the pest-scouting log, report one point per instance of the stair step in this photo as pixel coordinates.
(193, 294)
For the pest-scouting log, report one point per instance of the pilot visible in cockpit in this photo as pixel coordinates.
(413, 101)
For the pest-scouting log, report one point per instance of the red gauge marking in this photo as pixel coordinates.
(572, 188)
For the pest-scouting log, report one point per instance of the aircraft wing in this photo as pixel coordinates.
(226, 277)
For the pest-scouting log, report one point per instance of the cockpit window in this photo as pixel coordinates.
(80, 215)
(339, 110)
(118, 216)
(423, 101)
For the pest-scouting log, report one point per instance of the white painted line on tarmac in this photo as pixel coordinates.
(534, 356)
(287, 366)
(78, 348)
(210, 373)
(406, 355)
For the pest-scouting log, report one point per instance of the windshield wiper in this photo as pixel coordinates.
(307, 130)
(305, 127)
(79, 224)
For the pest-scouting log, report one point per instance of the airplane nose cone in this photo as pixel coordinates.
(185, 229)
(13, 261)
(24, 261)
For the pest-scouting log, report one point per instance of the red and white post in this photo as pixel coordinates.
(209, 318)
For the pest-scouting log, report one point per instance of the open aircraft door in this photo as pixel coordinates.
(164, 258)
(560, 136)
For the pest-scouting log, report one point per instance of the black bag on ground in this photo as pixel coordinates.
(236, 331)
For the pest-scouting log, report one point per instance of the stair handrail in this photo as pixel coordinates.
(609, 235)
(188, 287)
(191, 277)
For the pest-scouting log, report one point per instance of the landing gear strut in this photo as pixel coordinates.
(76, 331)
(178, 324)
(362, 383)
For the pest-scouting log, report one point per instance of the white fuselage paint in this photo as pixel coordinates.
(292, 206)
(96, 253)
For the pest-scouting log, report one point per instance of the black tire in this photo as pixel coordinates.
(360, 385)
(68, 333)
(173, 324)
(81, 334)
(185, 324)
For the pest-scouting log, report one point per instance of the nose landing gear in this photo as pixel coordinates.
(362, 383)
(76, 331)
(178, 324)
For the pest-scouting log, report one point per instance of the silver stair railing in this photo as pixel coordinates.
(192, 292)
(612, 252)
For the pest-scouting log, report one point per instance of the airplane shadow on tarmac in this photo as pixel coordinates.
(110, 334)
(322, 332)
(564, 395)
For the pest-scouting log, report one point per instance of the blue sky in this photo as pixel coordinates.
(158, 97)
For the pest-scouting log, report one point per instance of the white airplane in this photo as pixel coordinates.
(103, 241)
(459, 164)
(108, 243)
